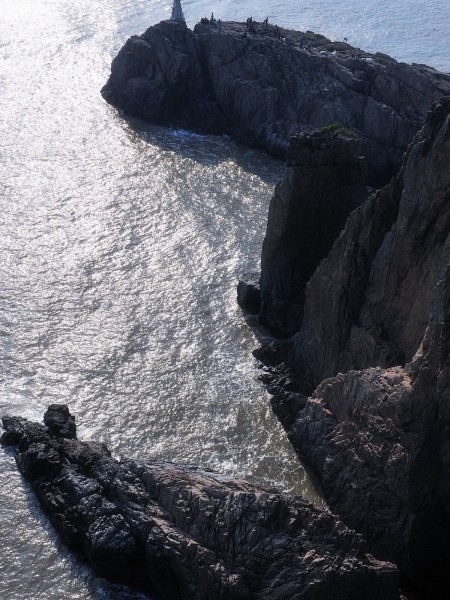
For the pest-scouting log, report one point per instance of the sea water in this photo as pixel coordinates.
(121, 245)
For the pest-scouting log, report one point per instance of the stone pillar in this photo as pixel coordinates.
(325, 180)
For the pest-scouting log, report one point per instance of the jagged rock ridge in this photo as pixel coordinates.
(181, 533)
(379, 276)
(375, 339)
(261, 89)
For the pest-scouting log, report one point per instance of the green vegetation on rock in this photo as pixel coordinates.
(336, 130)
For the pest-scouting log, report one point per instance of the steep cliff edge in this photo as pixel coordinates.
(325, 180)
(183, 534)
(380, 274)
(261, 89)
(375, 339)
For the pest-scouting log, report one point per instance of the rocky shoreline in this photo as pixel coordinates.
(358, 287)
(263, 88)
(180, 533)
(362, 387)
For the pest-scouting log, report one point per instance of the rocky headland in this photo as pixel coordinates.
(359, 288)
(271, 84)
(180, 533)
(363, 386)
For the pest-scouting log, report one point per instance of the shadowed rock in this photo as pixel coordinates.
(248, 293)
(261, 90)
(369, 302)
(325, 180)
(375, 342)
(180, 533)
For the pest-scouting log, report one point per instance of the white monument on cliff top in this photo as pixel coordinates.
(177, 12)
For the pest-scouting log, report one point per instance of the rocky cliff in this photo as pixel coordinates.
(263, 88)
(374, 342)
(325, 180)
(180, 533)
(380, 275)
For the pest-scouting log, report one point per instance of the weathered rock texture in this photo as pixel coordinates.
(325, 180)
(261, 89)
(376, 338)
(183, 534)
(379, 276)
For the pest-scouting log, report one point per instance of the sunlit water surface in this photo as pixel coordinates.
(121, 247)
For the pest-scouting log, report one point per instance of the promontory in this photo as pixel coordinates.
(263, 86)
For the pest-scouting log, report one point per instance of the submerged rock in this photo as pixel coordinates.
(180, 533)
(261, 89)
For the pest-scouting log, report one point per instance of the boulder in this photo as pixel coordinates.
(248, 293)
(60, 422)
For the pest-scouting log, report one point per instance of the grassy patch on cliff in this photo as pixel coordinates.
(336, 130)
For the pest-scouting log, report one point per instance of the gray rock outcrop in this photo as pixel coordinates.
(159, 76)
(325, 180)
(375, 342)
(261, 89)
(181, 533)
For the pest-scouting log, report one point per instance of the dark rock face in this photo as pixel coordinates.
(377, 437)
(159, 76)
(180, 533)
(379, 276)
(325, 181)
(248, 293)
(261, 90)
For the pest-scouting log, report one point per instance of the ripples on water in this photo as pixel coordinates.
(121, 247)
